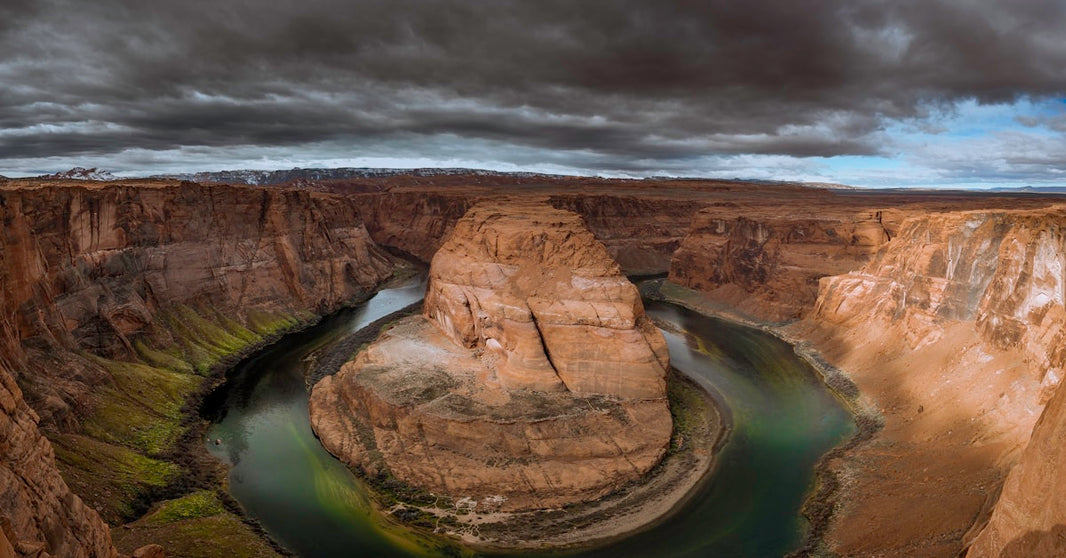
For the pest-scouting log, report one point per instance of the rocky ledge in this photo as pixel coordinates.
(533, 378)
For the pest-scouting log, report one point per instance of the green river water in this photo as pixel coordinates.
(783, 418)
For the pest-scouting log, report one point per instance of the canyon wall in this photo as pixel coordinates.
(38, 512)
(767, 263)
(532, 380)
(117, 300)
(953, 333)
(416, 222)
(1029, 519)
(641, 232)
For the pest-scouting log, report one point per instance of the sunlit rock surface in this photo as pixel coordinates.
(954, 334)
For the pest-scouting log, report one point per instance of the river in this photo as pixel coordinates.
(784, 419)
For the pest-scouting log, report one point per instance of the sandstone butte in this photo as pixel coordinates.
(532, 379)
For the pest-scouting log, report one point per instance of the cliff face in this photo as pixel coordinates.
(95, 269)
(1001, 271)
(1025, 308)
(954, 334)
(1030, 517)
(415, 222)
(37, 510)
(767, 264)
(117, 299)
(533, 379)
(640, 232)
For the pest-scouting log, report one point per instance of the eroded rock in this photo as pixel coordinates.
(108, 271)
(532, 380)
(954, 334)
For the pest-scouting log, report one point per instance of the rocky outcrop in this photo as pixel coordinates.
(533, 379)
(768, 264)
(953, 333)
(535, 291)
(37, 510)
(173, 277)
(1029, 520)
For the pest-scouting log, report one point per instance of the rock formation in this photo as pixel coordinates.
(1029, 520)
(641, 232)
(533, 379)
(769, 265)
(112, 295)
(954, 334)
(38, 513)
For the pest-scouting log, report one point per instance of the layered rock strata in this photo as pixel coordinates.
(533, 379)
(116, 298)
(95, 268)
(954, 334)
(768, 264)
(38, 512)
(640, 232)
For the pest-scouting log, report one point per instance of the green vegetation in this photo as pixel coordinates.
(194, 526)
(203, 503)
(126, 451)
(688, 407)
(206, 336)
(275, 323)
(142, 408)
(109, 477)
(161, 359)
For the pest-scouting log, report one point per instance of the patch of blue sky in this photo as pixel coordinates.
(967, 145)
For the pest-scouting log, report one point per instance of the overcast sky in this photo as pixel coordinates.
(877, 93)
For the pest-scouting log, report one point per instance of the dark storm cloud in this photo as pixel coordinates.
(622, 80)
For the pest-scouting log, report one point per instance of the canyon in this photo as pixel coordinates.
(119, 300)
(124, 300)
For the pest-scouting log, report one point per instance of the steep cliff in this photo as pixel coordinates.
(953, 332)
(118, 299)
(767, 263)
(37, 510)
(533, 379)
(1029, 520)
(416, 222)
(640, 231)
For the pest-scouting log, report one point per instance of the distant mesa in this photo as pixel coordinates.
(81, 173)
(273, 177)
(532, 379)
